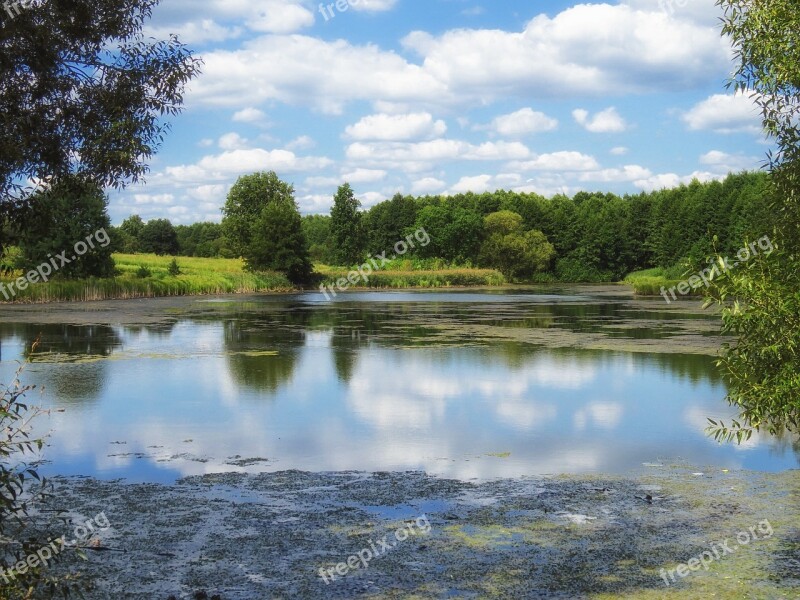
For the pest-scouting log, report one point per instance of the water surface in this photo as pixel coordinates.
(462, 384)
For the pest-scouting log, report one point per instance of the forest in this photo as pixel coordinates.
(595, 237)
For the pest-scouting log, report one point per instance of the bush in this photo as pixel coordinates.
(143, 272)
(174, 270)
(21, 488)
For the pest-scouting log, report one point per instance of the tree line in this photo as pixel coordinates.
(589, 237)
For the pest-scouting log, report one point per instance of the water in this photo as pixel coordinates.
(461, 384)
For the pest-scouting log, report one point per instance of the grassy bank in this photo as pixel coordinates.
(148, 276)
(199, 276)
(403, 276)
(650, 281)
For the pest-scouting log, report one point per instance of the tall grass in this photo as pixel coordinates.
(395, 278)
(199, 276)
(650, 281)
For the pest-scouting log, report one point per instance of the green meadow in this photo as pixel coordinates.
(148, 276)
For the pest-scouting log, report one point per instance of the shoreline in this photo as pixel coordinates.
(583, 536)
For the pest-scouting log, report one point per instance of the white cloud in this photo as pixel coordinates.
(631, 51)
(626, 173)
(144, 199)
(477, 184)
(728, 163)
(232, 141)
(384, 127)
(427, 185)
(606, 121)
(671, 180)
(364, 175)
(373, 5)
(619, 151)
(724, 113)
(421, 155)
(260, 16)
(241, 161)
(302, 142)
(523, 122)
(249, 115)
(558, 161)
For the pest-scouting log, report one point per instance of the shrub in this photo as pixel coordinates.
(21, 489)
(143, 272)
(174, 270)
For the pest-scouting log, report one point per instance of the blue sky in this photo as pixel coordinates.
(445, 96)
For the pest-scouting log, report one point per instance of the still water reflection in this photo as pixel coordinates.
(440, 382)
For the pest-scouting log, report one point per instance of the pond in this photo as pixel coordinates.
(464, 384)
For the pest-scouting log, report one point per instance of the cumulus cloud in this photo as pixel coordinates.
(606, 121)
(558, 161)
(724, 113)
(242, 161)
(249, 115)
(427, 185)
(419, 155)
(232, 141)
(523, 122)
(724, 162)
(631, 51)
(413, 126)
(227, 19)
(671, 180)
(626, 173)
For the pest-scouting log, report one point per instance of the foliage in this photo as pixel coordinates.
(158, 236)
(345, 227)
(69, 212)
(84, 92)
(203, 240)
(278, 243)
(517, 254)
(596, 236)
(143, 272)
(174, 270)
(317, 229)
(130, 234)
(22, 489)
(245, 203)
(761, 302)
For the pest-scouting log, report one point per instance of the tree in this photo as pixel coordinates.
(761, 300)
(245, 203)
(83, 91)
(277, 242)
(515, 253)
(346, 229)
(131, 234)
(159, 237)
(70, 216)
(317, 229)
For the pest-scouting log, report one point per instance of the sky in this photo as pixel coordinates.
(445, 96)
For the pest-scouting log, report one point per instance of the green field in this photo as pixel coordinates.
(404, 275)
(212, 276)
(199, 276)
(650, 281)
